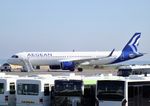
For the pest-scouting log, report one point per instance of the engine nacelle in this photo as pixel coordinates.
(68, 65)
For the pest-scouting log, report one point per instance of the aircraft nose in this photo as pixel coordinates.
(10, 61)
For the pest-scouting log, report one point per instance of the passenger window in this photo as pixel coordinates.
(1, 88)
(12, 88)
(46, 90)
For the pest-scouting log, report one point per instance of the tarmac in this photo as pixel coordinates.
(85, 72)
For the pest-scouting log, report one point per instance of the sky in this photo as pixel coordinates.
(66, 25)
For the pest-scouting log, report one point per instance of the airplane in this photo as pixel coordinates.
(74, 60)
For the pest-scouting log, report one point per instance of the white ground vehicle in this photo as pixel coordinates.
(119, 91)
(34, 91)
(7, 90)
(5, 67)
(133, 70)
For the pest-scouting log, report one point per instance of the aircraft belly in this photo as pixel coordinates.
(44, 62)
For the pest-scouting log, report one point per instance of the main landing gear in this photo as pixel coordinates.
(78, 69)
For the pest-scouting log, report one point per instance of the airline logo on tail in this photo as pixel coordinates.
(130, 51)
(133, 44)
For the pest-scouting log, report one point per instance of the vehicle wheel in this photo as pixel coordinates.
(80, 69)
(1, 70)
(72, 70)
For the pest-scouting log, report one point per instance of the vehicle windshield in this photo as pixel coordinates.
(110, 90)
(68, 88)
(28, 89)
(1, 88)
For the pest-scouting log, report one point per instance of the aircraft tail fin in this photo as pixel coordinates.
(132, 45)
(130, 51)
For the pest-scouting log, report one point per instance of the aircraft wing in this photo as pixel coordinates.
(79, 60)
(82, 60)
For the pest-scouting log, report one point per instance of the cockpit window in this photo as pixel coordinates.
(14, 56)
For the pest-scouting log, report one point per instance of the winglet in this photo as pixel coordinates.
(111, 53)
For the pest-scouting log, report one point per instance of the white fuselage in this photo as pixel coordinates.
(52, 58)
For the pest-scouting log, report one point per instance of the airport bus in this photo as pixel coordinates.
(7, 90)
(133, 70)
(119, 91)
(34, 91)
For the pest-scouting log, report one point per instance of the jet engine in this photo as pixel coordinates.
(68, 66)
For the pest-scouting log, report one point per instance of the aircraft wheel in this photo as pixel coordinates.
(80, 69)
(72, 70)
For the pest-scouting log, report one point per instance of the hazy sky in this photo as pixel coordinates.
(64, 25)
